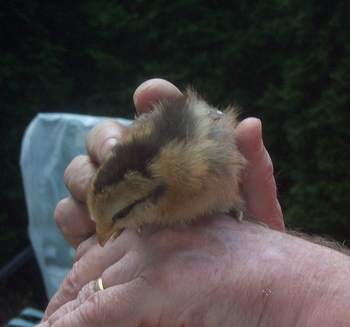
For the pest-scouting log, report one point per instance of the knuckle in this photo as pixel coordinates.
(100, 133)
(70, 286)
(71, 170)
(59, 215)
(81, 249)
(94, 312)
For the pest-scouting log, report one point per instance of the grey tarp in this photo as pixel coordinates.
(50, 142)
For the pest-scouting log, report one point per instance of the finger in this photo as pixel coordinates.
(106, 134)
(83, 295)
(123, 271)
(69, 289)
(102, 138)
(259, 186)
(90, 262)
(78, 175)
(117, 306)
(85, 247)
(153, 91)
(73, 219)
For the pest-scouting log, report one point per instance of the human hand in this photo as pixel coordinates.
(258, 187)
(178, 276)
(216, 273)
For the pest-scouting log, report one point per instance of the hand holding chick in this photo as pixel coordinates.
(258, 186)
(174, 164)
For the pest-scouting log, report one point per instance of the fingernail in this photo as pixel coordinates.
(162, 89)
(142, 87)
(259, 144)
(107, 146)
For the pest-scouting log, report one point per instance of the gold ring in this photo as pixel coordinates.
(98, 285)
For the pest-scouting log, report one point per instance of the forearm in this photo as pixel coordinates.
(324, 277)
(295, 283)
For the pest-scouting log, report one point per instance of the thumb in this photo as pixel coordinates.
(153, 91)
(259, 186)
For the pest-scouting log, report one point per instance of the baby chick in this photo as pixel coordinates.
(174, 164)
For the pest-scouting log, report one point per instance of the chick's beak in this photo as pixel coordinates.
(105, 233)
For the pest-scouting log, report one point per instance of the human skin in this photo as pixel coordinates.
(217, 272)
(259, 187)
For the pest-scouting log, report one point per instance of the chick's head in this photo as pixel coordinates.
(124, 192)
(128, 202)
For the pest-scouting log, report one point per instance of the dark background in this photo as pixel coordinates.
(284, 61)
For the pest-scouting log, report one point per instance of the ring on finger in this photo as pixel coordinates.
(98, 285)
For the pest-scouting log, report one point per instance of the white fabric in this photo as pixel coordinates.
(49, 144)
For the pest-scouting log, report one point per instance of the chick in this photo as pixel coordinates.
(174, 164)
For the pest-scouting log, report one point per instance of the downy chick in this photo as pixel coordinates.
(174, 164)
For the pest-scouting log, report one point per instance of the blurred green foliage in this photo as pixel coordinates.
(284, 61)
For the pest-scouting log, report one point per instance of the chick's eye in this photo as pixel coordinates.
(123, 213)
